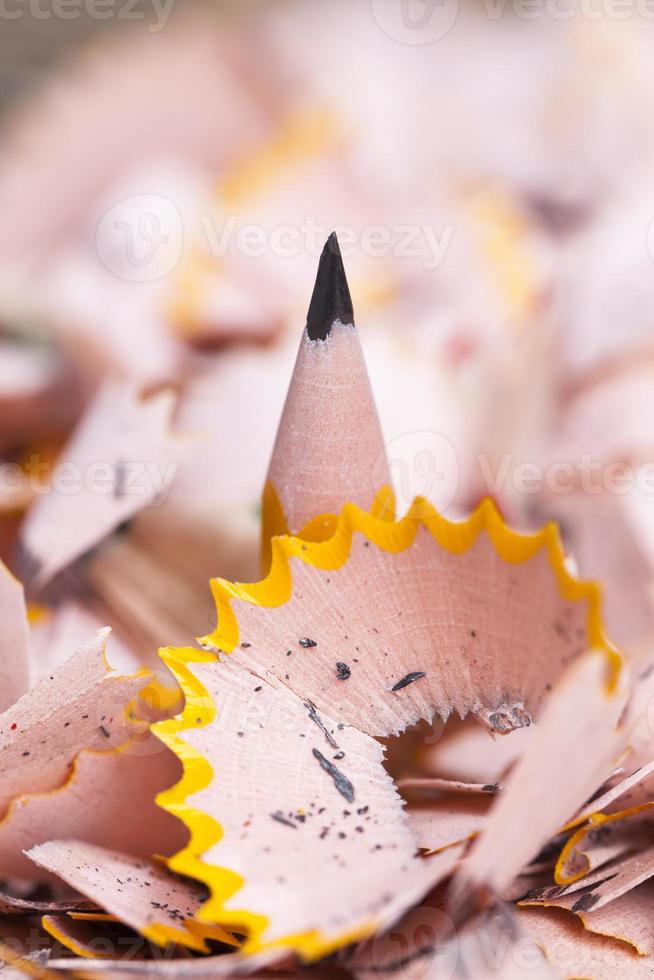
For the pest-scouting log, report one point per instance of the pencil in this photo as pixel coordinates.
(329, 448)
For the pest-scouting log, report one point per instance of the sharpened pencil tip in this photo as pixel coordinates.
(331, 299)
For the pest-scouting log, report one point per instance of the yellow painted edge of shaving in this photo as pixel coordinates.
(92, 917)
(392, 536)
(162, 935)
(595, 820)
(51, 926)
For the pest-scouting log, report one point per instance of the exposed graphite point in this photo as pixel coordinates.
(331, 298)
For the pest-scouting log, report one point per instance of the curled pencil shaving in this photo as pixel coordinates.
(139, 892)
(283, 663)
(122, 457)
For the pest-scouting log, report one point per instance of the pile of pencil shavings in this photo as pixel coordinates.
(348, 757)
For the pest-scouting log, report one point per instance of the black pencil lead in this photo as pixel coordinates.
(331, 299)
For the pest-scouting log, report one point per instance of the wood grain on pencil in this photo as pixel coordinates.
(329, 447)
